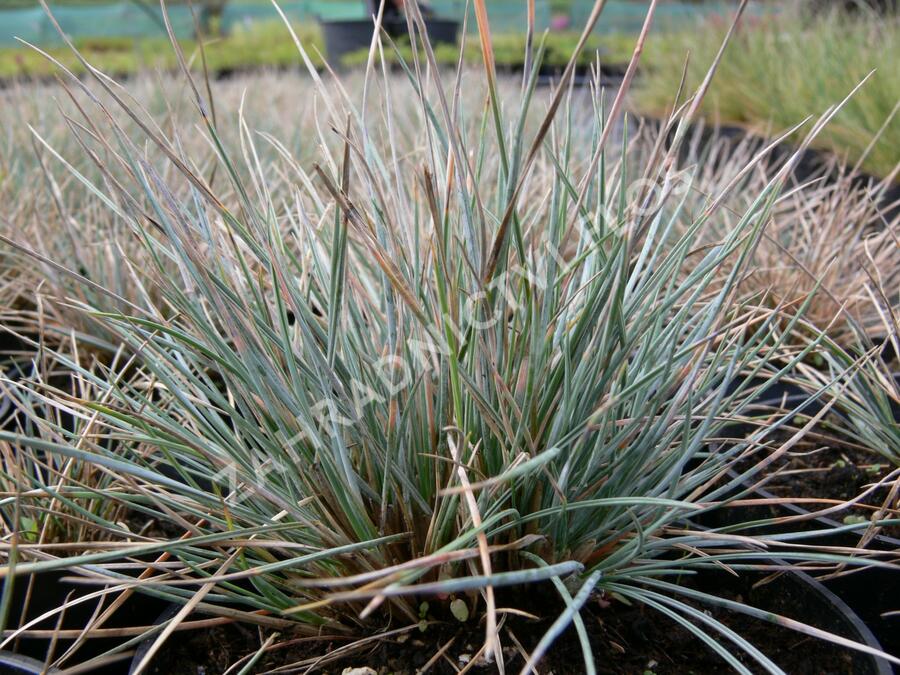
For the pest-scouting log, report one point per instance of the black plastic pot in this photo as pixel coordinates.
(11, 418)
(812, 164)
(841, 614)
(10, 369)
(139, 654)
(49, 592)
(834, 607)
(13, 663)
(825, 610)
(869, 592)
(344, 37)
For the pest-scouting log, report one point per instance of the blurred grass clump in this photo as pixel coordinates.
(786, 67)
(264, 44)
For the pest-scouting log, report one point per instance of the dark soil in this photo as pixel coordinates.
(626, 639)
(812, 470)
(822, 467)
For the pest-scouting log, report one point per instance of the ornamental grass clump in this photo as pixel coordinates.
(868, 403)
(832, 237)
(493, 359)
(786, 66)
(61, 244)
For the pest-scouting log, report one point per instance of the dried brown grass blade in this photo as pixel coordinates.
(183, 613)
(492, 637)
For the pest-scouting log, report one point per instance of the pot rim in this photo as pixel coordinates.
(24, 664)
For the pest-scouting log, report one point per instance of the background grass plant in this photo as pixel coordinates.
(870, 403)
(263, 45)
(786, 67)
(267, 45)
(832, 238)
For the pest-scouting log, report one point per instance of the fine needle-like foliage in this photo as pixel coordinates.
(454, 357)
(73, 513)
(868, 404)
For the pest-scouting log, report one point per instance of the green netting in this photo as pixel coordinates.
(628, 17)
(137, 19)
(119, 20)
